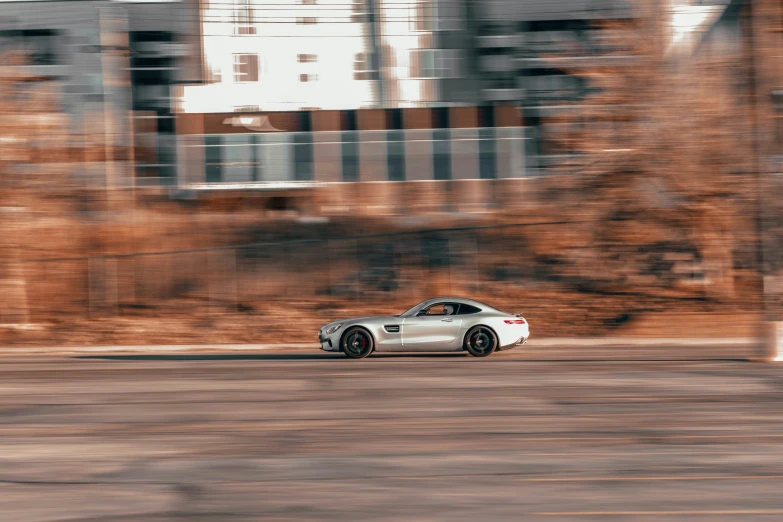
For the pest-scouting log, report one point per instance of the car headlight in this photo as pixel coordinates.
(333, 328)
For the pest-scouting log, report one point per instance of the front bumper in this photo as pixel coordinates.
(328, 344)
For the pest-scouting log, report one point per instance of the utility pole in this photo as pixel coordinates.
(118, 151)
(373, 21)
(763, 18)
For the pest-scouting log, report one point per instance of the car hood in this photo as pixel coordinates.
(354, 320)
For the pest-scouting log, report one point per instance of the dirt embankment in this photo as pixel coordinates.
(82, 270)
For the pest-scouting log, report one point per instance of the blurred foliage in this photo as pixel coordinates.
(663, 152)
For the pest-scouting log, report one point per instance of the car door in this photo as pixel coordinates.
(433, 329)
(388, 334)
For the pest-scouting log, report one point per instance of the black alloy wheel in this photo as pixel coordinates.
(481, 341)
(357, 343)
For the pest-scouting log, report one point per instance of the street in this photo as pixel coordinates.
(304, 435)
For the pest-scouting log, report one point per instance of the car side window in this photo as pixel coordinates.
(466, 309)
(440, 309)
(436, 309)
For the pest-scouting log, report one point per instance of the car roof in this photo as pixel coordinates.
(461, 300)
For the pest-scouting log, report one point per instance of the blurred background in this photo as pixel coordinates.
(190, 170)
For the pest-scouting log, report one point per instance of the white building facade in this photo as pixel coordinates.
(282, 55)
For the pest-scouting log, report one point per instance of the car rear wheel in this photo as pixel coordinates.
(481, 341)
(357, 343)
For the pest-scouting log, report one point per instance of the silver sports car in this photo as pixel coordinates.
(445, 324)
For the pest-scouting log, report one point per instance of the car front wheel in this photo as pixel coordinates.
(357, 343)
(481, 341)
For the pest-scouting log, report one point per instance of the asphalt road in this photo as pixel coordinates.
(311, 436)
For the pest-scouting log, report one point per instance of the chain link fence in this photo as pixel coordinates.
(382, 268)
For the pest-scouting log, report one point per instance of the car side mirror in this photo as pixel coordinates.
(421, 313)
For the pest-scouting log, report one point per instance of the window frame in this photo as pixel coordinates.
(306, 58)
(442, 60)
(244, 17)
(457, 306)
(237, 73)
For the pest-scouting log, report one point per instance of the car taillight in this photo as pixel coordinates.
(514, 321)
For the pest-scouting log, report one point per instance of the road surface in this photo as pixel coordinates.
(311, 436)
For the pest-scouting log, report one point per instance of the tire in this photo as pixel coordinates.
(481, 341)
(357, 343)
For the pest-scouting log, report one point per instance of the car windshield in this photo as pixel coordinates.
(409, 310)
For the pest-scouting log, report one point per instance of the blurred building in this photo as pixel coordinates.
(165, 52)
(114, 64)
(300, 149)
(528, 52)
(330, 91)
(389, 54)
(288, 55)
(332, 54)
(358, 71)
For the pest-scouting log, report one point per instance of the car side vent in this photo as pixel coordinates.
(392, 328)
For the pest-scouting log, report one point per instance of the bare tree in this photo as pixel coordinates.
(662, 157)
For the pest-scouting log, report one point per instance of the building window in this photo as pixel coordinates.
(502, 83)
(435, 63)
(362, 67)
(244, 17)
(450, 63)
(423, 16)
(245, 68)
(306, 20)
(423, 63)
(40, 45)
(306, 58)
(308, 78)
